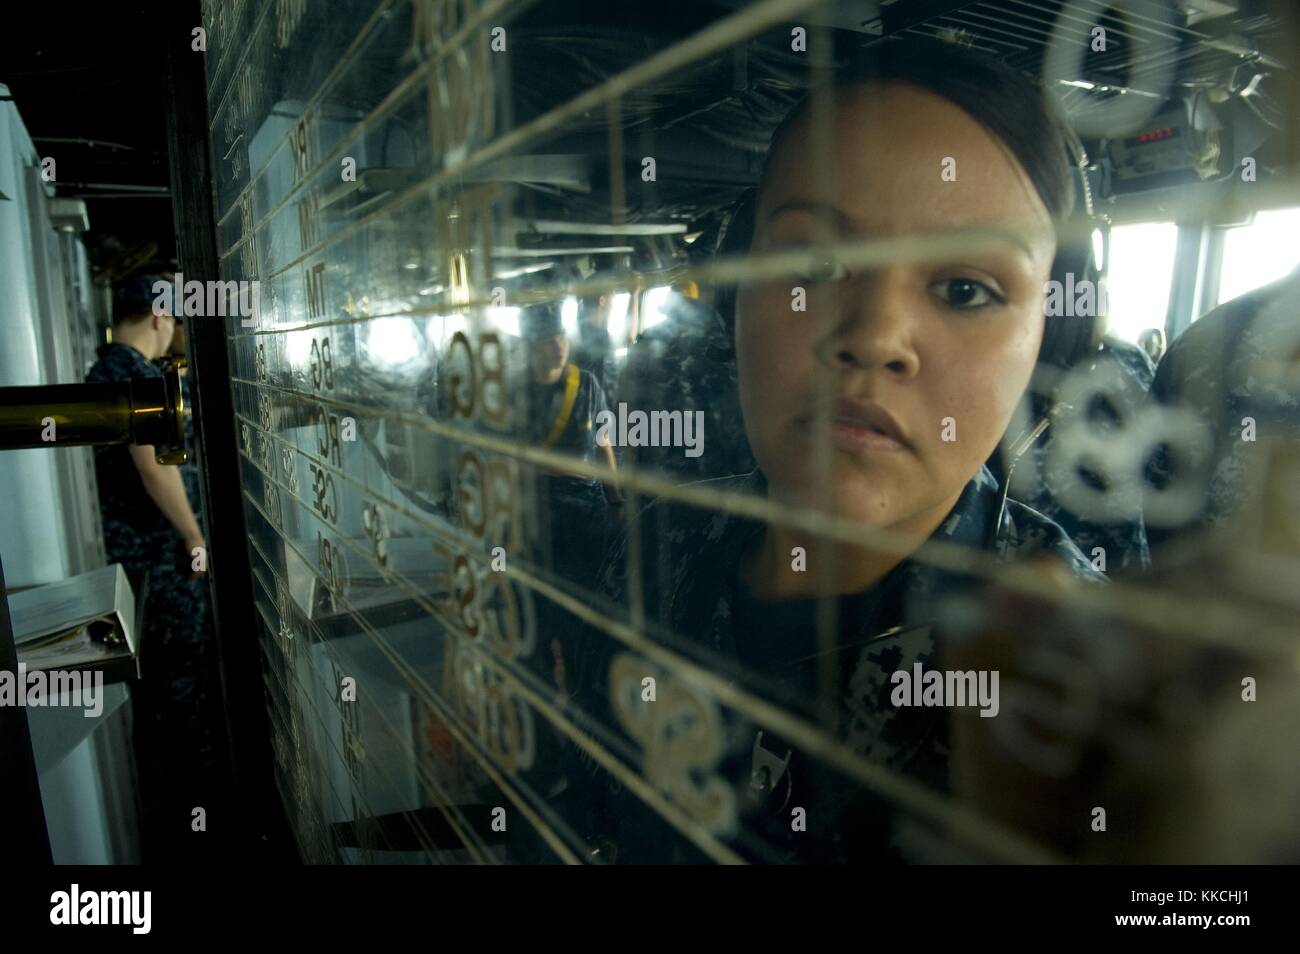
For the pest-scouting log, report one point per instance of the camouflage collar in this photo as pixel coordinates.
(703, 602)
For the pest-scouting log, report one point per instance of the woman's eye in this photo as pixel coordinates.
(825, 270)
(967, 293)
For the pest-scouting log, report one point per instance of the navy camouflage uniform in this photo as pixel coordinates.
(690, 578)
(176, 701)
(574, 505)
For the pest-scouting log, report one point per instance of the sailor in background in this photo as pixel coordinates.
(562, 403)
(150, 528)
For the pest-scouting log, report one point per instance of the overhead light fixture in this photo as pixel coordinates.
(524, 270)
(511, 252)
(559, 227)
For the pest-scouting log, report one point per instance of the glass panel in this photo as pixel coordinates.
(625, 484)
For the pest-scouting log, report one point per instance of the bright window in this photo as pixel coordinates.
(652, 306)
(1140, 275)
(1259, 253)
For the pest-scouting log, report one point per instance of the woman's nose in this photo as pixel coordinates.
(873, 326)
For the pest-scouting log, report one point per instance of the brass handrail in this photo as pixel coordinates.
(143, 411)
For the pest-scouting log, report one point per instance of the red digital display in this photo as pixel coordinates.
(1156, 134)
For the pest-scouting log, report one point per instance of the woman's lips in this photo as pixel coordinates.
(856, 437)
(862, 427)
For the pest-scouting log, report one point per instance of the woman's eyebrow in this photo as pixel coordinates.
(844, 223)
(841, 219)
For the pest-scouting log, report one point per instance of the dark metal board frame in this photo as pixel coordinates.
(261, 816)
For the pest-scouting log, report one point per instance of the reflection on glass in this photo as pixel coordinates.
(569, 508)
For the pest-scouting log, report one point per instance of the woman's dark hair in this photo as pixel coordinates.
(1005, 102)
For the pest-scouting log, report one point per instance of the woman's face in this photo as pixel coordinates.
(902, 348)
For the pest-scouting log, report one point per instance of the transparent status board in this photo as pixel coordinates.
(650, 448)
